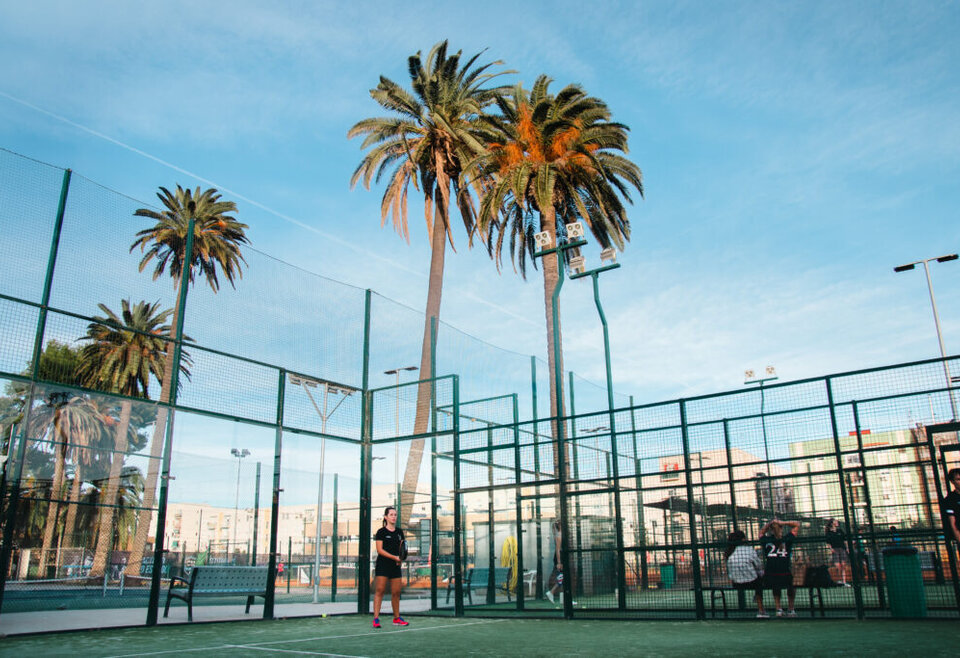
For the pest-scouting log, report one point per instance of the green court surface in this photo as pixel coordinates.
(431, 636)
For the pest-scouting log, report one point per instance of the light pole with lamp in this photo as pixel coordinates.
(545, 246)
(608, 254)
(396, 444)
(936, 319)
(749, 378)
(328, 389)
(239, 454)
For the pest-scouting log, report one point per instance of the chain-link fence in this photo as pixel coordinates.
(268, 426)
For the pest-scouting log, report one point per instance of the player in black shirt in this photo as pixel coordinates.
(777, 547)
(950, 507)
(838, 546)
(390, 554)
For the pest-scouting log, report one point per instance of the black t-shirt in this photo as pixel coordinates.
(391, 542)
(777, 553)
(950, 508)
(835, 538)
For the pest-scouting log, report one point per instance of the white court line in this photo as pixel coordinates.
(372, 632)
(264, 645)
(302, 653)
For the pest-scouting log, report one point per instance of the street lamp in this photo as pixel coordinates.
(608, 254)
(936, 317)
(239, 454)
(396, 444)
(328, 388)
(750, 377)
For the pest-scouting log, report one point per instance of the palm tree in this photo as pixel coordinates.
(556, 158)
(121, 355)
(426, 141)
(53, 418)
(217, 237)
(79, 424)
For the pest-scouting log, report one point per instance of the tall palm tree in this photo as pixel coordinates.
(53, 419)
(426, 141)
(217, 237)
(121, 355)
(63, 418)
(550, 160)
(83, 423)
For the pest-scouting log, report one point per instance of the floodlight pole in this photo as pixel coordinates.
(239, 454)
(936, 319)
(396, 444)
(327, 389)
(558, 395)
(618, 523)
(748, 380)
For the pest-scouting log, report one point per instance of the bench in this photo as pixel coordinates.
(217, 581)
(719, 594)
(479, 578)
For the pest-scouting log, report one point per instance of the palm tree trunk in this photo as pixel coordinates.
(551, 277)
(108, 502)
(156, 451)
(438, 245)
(56, 490)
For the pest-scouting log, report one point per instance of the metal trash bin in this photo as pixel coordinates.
(668, 575)
(904, 582)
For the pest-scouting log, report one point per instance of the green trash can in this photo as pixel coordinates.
(904, 582)
(668, 575)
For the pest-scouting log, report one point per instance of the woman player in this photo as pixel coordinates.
(390, 541)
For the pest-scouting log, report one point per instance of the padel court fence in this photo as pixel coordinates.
(283, 429)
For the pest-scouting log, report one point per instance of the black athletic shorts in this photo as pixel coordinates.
(756, 585)
(387, 568)
(778, 581)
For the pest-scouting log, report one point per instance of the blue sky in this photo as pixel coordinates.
(793, 154)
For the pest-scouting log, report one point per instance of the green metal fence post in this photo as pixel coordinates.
(741, 595)
(574, 448)
(335, 543)
(153, 604)
(851, 544)
(366, 462)
(289, 568)
(14, 497)
(694, 543)
(256, 517)
(869, 508)
(641, 524)
(458, 550)
(536, 468)
(273, 549)
(434, 516)
(491, 544)
(518, 479)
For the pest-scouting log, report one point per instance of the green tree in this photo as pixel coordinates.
(217, 237)
(70, 422)
(57, 365)
(121, 355)
(426, 141)
(553, 159)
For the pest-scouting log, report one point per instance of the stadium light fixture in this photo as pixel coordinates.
(396, 444)
(936, 318)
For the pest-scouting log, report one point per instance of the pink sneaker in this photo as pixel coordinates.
(376, 622)
(400, 621)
